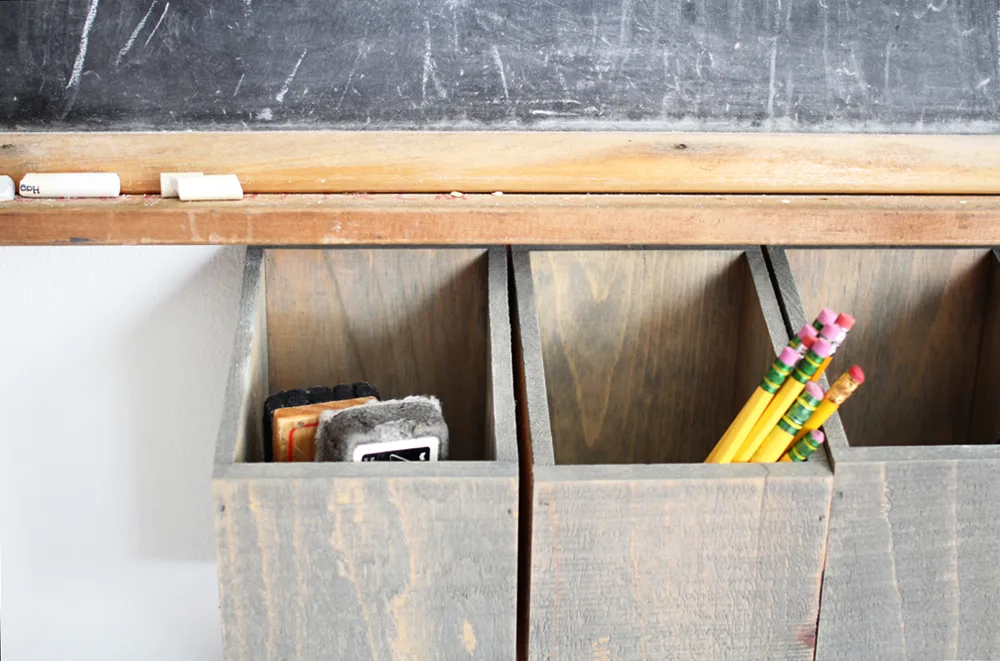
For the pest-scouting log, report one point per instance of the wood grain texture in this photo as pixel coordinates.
(411, 322)
(368, 568)
(241, 435)
(367, 561)
(918, 337)
(552, 162)
(911, 572)
(510, 219)
(668, 561)
(639, 359)
(665, 568)
(985, 426)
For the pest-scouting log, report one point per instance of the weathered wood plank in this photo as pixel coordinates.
(369, 561)
(663, 561)
(725, 568)
(985, 426)
(404, 320)
(549, 162)
(510, 219)
(368, 568)
(910, 570)
(919, 322)
(910, 567)
(637, 351)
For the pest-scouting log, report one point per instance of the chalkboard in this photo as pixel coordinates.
(769, 65)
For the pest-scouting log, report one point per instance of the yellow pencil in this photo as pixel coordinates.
(788, 393)
(748, 415)
(802, 450)
(841, 389)
(779, 438)
(846, 323)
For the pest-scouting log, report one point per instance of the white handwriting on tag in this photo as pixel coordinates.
(409, 450)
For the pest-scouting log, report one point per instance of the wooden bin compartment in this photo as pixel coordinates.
(911, 569)
(373, 560)
(634, 363)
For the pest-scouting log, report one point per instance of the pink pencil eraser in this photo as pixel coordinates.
(807, 331)
(830, 332)
(789, 357)
(845, 321)
(826, 316)
(857, 374)
(822, 348)
(814, 389)
(818, 436)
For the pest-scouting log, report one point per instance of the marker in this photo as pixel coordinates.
(846, 323)
(76, 184)
(749, 414)
(168, 182)
(788, 393)
(7, 190)
(804, 339)
(779, 438)
(842, 388)
(804, 448)
(209, 187)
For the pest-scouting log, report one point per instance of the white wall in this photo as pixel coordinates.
(112, 369)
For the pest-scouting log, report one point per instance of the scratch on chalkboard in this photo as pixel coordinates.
(362, 51)
(430, 70)
(157, 26)
(81, 55)
(503, 77)
(625, 28)
(931, 7)
(771, 87)
(135, 34)
(280, 98)
(885, 73)
(238, 85)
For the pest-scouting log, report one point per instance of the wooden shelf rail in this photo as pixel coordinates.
(424, 219)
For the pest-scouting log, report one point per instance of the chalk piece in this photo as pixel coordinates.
(168, 182)
(455, 193)
(6, 189)
(498, 193)
(210, 187)
(71, 184)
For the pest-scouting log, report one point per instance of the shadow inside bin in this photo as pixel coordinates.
(411, 322)
(177, 360)
(918, 338)
(640, 350)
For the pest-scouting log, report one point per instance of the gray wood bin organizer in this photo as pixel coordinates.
(914, 545)
(381, 561)
(634, 363)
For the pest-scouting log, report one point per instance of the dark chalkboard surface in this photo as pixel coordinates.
(779, 65)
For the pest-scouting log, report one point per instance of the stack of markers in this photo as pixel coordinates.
(781, 420)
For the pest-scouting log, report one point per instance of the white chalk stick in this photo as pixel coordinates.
(168, 182)
(209, 187)
(71, 184)
(6, 188)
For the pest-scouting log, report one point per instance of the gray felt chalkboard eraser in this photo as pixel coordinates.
(7, 190)
(383, 431)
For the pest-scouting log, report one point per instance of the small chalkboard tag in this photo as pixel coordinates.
(410, 450)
